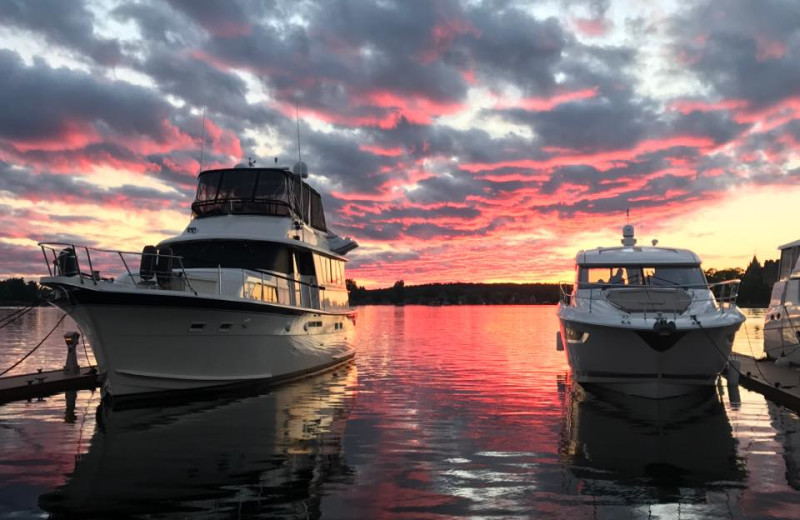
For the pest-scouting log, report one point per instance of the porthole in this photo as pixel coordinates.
(197, 326)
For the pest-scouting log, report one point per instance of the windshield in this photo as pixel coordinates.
(653, 276)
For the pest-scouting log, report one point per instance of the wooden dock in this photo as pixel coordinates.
(40, 384)
(780, 384)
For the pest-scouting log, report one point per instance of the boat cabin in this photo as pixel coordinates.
(258, 191)
(638, 266)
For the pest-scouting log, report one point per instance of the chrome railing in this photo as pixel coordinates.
(70, 260)
(724, 295)
(66, 259)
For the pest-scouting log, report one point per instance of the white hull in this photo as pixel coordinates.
(782, 334)
(619, 358)
(146, 348)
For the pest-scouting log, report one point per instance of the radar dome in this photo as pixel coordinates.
(627, 236)
(300, 169)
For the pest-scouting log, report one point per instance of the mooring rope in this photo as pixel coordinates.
(12, 367)
(16, 315)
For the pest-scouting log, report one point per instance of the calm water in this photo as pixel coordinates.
(447, 412)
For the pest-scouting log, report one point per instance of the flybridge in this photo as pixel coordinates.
(258, 191)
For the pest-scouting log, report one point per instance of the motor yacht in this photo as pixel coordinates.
(644, 321)
(782, 321)
(252, 290)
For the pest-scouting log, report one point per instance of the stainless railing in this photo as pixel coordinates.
(724, 295)
(66, 259)
(64, 254)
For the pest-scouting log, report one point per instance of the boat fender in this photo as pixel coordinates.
(663, 327)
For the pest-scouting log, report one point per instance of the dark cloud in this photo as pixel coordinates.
(48, 103)
(69, 24)
(742, 49)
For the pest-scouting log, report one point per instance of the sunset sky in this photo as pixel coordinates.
(474, 141)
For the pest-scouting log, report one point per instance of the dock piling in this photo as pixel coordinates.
(71, 367)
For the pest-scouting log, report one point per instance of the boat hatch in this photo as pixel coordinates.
(649, 299)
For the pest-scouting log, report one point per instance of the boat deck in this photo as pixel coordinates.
(40, 384)
(780, 384)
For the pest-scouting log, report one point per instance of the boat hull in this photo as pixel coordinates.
(152, 345)
(642, 363)
(782, 334)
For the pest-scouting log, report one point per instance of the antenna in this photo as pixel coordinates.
(628, 215)
(203, 143)
(297, 120)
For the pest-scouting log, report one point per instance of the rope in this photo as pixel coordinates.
(12, 367)
(16, 315)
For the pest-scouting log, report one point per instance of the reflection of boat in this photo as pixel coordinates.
(787, 426)
(782, 321)
(644, 321)
(253, 289)
(270, 454)
(614, 442)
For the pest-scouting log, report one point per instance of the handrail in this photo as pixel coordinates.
(724, 294)
(53, 245)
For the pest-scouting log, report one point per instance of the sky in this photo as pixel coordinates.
(471, 141)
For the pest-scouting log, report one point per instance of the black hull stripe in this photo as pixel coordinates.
(86, 296)
(622, 375)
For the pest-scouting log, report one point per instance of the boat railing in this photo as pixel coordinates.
(71, 260)
(167, 272)
(725, 293)
(652, 299)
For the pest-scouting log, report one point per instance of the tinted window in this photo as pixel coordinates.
(272, 186)
(234, 253)
(207, 186)
(656, 276)
(238, 184)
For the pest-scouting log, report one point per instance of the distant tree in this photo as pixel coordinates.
(355, 292)
(754, 291)
(722, 275)
(399, 293)
(15, 291)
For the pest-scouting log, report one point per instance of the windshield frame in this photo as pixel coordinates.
(650, 275)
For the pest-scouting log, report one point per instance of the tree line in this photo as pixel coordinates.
(754, 291)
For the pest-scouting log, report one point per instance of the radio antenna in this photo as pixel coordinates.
(203, 143)
(297, 120)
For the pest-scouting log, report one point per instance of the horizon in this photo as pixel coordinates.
(483, 141)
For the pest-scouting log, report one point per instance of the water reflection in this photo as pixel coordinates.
(649, 452)
(787, 426)
(266, 455)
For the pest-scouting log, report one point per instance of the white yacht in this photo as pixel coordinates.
(782, 321)
(252, 290)
(644, 321)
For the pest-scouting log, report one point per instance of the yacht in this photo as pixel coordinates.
(782, 321)
(645, 322)
(253, 290)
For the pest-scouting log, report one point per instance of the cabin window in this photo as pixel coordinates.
(238, 184)
(317, 212)
(792, 292)
(241, 254)
(208, 185)
(653, 276)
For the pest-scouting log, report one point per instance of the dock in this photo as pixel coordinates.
(40, 384)
(780, 384)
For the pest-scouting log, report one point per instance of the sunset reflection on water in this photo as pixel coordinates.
(448, 412)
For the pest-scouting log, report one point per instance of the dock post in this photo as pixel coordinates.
(559, 344)
(71, 367)
(734, 369)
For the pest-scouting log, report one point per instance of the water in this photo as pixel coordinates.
(447, 412)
